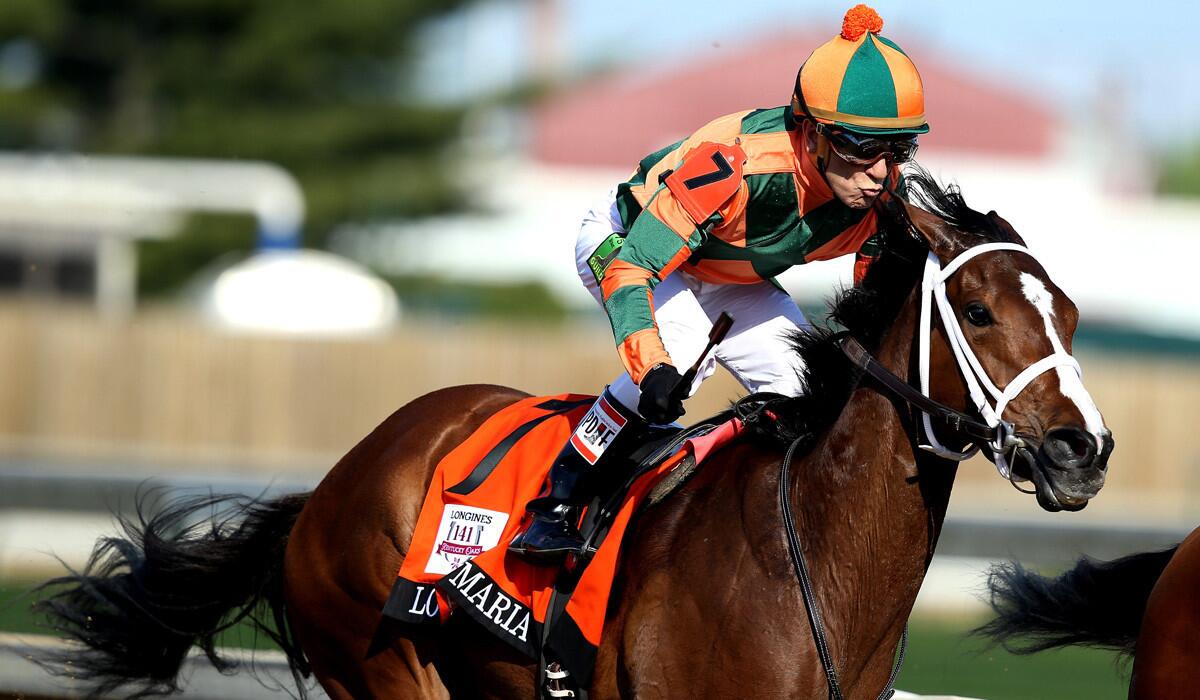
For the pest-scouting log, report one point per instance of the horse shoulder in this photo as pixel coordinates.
(699, 581)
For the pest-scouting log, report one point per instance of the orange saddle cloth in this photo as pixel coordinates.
(458, 559)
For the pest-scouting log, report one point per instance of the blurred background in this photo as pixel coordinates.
(234, 236)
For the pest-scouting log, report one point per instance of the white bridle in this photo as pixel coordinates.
(933, 288)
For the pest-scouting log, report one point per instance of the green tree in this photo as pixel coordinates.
(316, 86)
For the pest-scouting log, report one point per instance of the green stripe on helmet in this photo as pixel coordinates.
(890, 43)
(867, 87)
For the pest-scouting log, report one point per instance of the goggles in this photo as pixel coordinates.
(864, 150)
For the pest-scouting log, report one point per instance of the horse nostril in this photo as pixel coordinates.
(1070, 447)
(1106, 448)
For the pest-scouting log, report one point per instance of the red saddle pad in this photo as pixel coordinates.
(458, 558)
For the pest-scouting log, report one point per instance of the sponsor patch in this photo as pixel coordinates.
(605, 253)
(464, 533)
(597, 430)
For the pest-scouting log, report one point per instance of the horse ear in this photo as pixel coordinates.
(928, 229)
(1002, 224)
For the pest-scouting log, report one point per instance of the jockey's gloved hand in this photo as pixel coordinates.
(657, 404)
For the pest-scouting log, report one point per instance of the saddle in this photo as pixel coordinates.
(457, 561)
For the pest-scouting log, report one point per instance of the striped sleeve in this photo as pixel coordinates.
(661, 239)
(869, 252)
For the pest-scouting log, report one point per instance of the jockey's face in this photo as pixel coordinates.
(857, 186)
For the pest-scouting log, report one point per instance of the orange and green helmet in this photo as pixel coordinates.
(861, 82)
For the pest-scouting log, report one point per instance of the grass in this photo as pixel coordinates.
(16, 617)
(941, 659)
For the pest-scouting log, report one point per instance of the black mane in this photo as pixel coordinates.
(948, 203)
(867, 311)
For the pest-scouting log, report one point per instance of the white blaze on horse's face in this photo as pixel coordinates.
(1069, 383)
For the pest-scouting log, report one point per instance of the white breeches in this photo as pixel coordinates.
(756, 351)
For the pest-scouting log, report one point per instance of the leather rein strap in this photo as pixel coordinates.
(815, 620)
(812, 607)
(956, 420)
(960, 422)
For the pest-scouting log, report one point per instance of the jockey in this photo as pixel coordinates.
(705, 224)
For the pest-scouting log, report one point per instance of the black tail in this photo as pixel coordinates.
(1096, 604)
(175, 580)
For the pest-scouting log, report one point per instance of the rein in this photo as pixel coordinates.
(748, 416)
(957, 420)
(811, 605)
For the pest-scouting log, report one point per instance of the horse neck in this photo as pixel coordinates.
(871, 506)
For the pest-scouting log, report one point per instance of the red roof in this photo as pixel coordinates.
(617, 119)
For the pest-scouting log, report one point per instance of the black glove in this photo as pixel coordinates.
(657, 404)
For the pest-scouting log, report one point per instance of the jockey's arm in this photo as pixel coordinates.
(663, 236)
(654, 247)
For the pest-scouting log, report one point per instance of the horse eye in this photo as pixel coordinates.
(978, 314)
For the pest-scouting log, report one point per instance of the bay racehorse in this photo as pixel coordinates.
(1146, 605)
(706, 605)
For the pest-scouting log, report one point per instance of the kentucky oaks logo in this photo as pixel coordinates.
(464, 533)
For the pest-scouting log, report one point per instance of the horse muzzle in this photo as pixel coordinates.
(1068, 468)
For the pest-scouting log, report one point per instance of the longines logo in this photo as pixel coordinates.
(464, 533)
(424, 602)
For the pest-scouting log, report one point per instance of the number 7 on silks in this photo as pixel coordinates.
(707, 178)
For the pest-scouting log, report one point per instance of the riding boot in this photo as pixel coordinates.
(605, 436)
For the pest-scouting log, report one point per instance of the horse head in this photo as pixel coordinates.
(1001, 348)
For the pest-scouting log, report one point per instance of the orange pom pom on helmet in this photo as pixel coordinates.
(859, 20)
(861, 81)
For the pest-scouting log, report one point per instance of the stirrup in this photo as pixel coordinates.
(520, 543)
(558, 555)
(556, 681)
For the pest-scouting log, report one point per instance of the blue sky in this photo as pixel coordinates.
(1065, 51)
